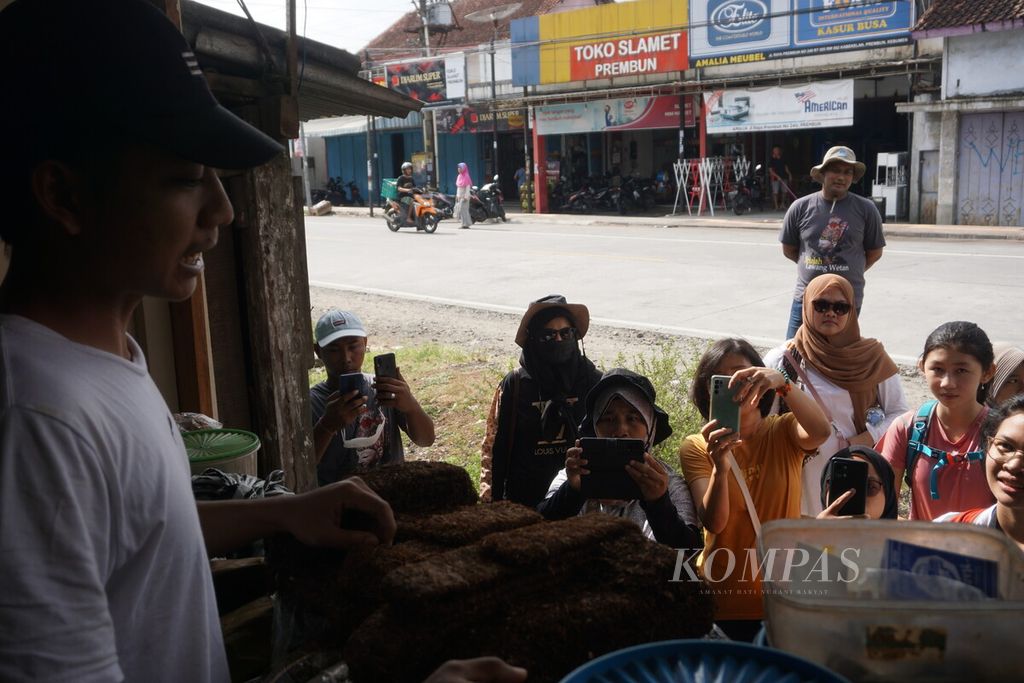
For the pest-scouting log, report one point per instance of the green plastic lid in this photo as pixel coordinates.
(207, 445)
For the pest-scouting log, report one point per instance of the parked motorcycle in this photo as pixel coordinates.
(355, 196)
(487, 202)
(425, 215)
(444, 203)
(749, 193)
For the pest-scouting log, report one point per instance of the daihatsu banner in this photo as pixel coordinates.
(811, 105)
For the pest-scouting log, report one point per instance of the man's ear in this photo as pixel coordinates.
(57, 191)
(316, 350)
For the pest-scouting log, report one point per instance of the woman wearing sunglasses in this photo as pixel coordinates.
(881, 500)
(853, 379)
(1003, 434)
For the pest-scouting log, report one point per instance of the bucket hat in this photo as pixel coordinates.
(578, 312)
(842, 155)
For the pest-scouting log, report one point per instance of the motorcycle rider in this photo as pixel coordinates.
(405, 185)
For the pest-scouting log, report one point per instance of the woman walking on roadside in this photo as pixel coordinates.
(463, 183)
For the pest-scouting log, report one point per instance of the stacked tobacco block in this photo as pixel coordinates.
(464, 580)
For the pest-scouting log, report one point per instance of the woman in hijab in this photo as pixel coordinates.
(881, 500)
(621, 406)
(463, 183)
(1009, 378)
(536, 409)
(853, 379)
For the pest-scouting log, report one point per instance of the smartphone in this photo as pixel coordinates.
(606, 460)
(384, 365)
(723, 407)
(350, 381)
(849, 473)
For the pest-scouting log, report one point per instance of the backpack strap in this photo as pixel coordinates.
(916, 446)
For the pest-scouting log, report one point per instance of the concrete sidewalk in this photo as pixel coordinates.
(727, 219)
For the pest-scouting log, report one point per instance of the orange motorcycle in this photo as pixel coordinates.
(425, 215)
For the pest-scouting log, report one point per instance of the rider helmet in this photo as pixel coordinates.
(406, 165)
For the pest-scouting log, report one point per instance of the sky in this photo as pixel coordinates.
(347, 24)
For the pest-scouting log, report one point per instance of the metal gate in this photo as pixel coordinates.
(990, 180)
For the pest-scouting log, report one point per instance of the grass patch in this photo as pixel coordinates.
(455, 388)
(670, 369)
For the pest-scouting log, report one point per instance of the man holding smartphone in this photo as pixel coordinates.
(358, 419)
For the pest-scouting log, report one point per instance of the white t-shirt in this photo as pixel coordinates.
(891, 401)
(104, 571)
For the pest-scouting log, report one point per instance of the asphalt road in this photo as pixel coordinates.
(695, 281)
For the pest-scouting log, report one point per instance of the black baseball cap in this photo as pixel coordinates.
(89, 69)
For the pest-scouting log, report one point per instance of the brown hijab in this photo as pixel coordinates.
(848, 360)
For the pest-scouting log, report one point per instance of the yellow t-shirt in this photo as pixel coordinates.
(771, 462)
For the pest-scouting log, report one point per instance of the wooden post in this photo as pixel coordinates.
(540, 178)
(272, 248)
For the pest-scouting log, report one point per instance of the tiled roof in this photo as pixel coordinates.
(404, 37)
(949, 14)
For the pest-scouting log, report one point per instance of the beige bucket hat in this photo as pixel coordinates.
(842, 155)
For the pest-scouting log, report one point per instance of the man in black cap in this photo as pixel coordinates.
(110, 195)
(537, 406)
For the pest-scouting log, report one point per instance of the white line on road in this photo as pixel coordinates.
(682, 240)
(611, 322)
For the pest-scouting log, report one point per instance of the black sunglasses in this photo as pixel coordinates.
(547, 335)
(840, 307)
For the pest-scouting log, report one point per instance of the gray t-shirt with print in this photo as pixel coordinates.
(339, 462)
(833, 238)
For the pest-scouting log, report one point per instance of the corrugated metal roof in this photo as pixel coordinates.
(352, 125)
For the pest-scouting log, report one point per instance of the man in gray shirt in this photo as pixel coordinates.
(832, 231)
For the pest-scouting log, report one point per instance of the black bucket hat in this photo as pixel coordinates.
(626, 378)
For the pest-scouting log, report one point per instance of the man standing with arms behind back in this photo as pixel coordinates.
(832, 231)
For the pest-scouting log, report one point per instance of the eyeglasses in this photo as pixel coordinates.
(822, 306)
(547, 335)
(1003, 451)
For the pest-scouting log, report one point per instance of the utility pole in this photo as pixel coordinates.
(428, 116)
(494, 105)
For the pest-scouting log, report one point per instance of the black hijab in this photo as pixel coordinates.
(881, 466)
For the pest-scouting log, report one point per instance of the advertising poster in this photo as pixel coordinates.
(813, 105)
(468, 119)
(455, 76)
(633, 113)
(828, 22)
(721, 30)
(740, 31)
(421, 80)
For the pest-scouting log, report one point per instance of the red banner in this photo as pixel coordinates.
(629, 56)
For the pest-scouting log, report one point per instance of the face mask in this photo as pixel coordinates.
(556, 352)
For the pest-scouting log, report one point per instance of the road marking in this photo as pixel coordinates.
(683, 240)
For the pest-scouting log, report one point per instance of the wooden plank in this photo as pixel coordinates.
(191, 342)
(271, 244)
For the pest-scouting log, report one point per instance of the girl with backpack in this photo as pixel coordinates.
(937, 449)
(1003, 432)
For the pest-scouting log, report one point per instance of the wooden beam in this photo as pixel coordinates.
(190, 337)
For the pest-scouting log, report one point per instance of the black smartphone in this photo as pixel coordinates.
(384, 365)
(350, 381)
(723, 407)
(606, 460)
(849, 473)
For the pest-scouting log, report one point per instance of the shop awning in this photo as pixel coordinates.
(242, 59)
